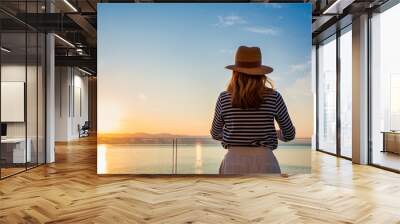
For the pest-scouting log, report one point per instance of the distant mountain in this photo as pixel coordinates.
(147, 138)
(148, 135)
(166, 138)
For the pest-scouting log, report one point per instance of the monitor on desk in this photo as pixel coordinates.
(3, 130)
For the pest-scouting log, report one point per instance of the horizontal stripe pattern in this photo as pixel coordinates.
(253, 127)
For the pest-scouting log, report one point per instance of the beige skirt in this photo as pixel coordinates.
(249, 160)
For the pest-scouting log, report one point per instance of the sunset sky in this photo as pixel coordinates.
(161, 66)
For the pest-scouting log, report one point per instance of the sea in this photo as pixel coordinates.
(192, 156)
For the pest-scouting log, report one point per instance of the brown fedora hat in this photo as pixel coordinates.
(248, 61)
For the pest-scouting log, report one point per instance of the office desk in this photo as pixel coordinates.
(15, 148)
(391, 141)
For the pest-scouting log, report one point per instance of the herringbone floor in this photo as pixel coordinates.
(69, 191)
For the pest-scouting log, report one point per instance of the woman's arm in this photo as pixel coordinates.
(218, 122)
(287, 131)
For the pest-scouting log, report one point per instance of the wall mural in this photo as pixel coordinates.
(161, 71)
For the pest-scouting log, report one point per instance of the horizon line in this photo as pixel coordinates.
(185, 135)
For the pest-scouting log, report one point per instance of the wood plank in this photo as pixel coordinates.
(70, 191)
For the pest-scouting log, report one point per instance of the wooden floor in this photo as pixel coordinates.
(5, 172)
(69, 191)
(387, 159)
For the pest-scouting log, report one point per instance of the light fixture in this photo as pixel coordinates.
(5, 50)
(84, 71)
(70, 5)
(64, 40)
(79, 51)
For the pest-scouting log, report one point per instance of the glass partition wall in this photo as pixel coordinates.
(22, 100)
(13, 86)
(334, 94)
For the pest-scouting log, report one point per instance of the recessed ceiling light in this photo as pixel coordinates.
(70, 5)
(64, 40)
(84, 71)
(5, 50)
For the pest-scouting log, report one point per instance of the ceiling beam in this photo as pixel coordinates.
(81, 61)
(86, 26)
(337, 7)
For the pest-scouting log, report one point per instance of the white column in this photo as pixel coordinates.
(360, 90)
(50, 99)
(314, 92)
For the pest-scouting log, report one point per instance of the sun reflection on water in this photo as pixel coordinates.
(101, 159)
(199, 158)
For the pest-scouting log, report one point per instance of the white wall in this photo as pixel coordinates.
(62, 81)
(80, 104)
(12, 73)
(71, 93)
(33, 127)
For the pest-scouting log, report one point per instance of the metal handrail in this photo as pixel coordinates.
(174, 155)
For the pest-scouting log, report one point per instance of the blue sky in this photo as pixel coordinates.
(165, 62)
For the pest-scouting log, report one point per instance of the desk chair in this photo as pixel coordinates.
(84, 130)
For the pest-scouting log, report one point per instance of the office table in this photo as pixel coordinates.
(391, 141)
(17, 150)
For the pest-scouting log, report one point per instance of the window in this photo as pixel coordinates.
(346, 92)
(385, 89)
(327, 95)
(394, 102)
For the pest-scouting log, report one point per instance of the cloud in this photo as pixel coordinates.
(262, 30)
(276, 5)
(300, 67)
(226, 51)
(225, 21)
(142, 97)
(300, 88)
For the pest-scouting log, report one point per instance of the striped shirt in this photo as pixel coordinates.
(252, 127)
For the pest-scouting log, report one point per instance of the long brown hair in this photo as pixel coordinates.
(248, 91)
